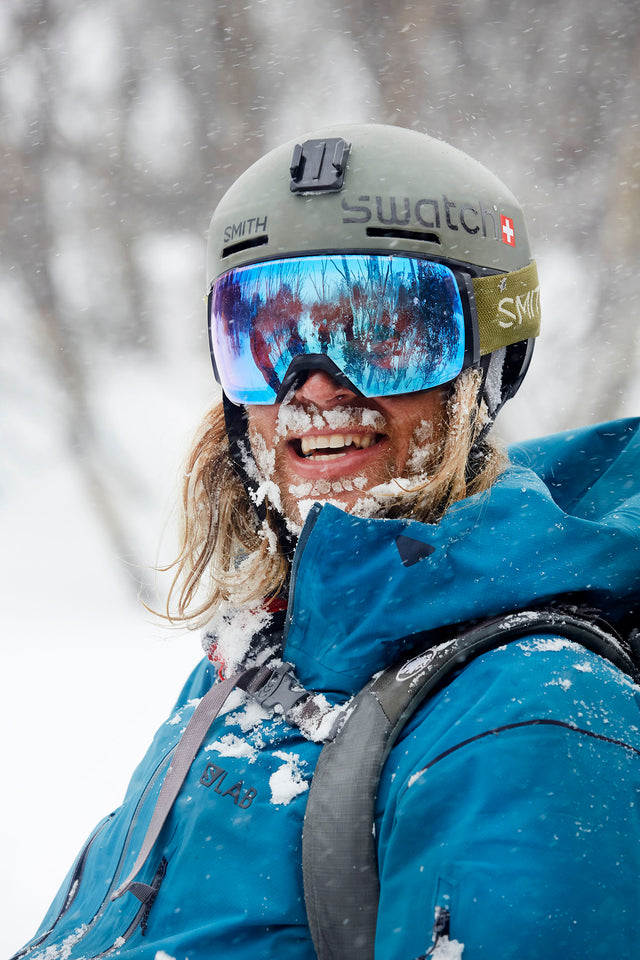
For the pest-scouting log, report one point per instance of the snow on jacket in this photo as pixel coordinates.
(511, 797)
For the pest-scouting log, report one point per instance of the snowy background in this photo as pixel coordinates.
(123, 122)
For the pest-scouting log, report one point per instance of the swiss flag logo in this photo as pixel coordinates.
(508, 233)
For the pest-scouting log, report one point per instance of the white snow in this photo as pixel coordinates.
(293, 420)
(177, 718)
(87, 674)
(63, 951)
(234, 629)
(232, 746)
(249, 718)
(448, 949)
(563, 682)
(548, 643)
(287, 781)
(583, 667)
(318, 728)
(414, 778)
(236, 699)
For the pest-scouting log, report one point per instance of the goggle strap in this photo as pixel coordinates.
(508, 307)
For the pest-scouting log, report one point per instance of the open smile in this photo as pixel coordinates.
(332, 445)
(335, 454)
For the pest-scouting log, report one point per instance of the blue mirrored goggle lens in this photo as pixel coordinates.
(392, 325)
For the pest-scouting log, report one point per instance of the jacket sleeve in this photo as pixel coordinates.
(509, 809)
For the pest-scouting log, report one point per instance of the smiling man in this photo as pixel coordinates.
(326, 443)
(349, 519)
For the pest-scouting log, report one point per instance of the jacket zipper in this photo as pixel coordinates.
(77, 874)
(72, 889)
(153, 779)
(142, 916)
(303, 539)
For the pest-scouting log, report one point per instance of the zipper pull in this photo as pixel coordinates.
(150, 899)
(440, 930)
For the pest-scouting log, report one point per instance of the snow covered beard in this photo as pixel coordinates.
(293, 500)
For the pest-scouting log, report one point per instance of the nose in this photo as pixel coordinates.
(320, 388)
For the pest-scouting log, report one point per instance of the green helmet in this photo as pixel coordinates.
(383, 189)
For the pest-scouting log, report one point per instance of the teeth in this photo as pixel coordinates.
(335, 441)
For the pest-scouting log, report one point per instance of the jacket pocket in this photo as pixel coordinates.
(147, 896)
(86, 919)
(443, 911)
(70, 892)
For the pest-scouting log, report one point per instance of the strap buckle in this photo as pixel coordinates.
(281, 688)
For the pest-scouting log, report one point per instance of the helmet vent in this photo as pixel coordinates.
(403, 234)
(244, 245)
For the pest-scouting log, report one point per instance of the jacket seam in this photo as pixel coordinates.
(537, 721)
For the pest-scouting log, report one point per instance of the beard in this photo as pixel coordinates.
(391, 492)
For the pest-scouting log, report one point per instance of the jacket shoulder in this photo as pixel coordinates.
(510, 802)
(539, 677)
(590, 470)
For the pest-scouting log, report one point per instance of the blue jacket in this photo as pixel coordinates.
(512, 797)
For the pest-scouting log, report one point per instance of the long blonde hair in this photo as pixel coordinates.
(225, 556)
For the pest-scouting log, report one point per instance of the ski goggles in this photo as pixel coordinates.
(380, 325)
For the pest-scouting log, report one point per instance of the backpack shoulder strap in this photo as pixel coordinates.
(339, 857)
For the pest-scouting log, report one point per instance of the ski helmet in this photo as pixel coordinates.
(388, 190)
(377, 190)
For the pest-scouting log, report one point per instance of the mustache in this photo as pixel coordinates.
(295, 419)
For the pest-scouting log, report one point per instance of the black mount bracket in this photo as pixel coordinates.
(319, 165)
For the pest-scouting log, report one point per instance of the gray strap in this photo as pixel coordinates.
(189, 744)
(142, 891)
(341, 886)
(339, 862)
(270, 687)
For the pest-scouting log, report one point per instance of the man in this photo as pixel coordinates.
(372, 305)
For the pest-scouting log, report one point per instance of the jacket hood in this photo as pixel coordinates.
(563, 521)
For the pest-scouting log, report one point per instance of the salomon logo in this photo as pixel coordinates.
(422, 662)
(413, 667)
